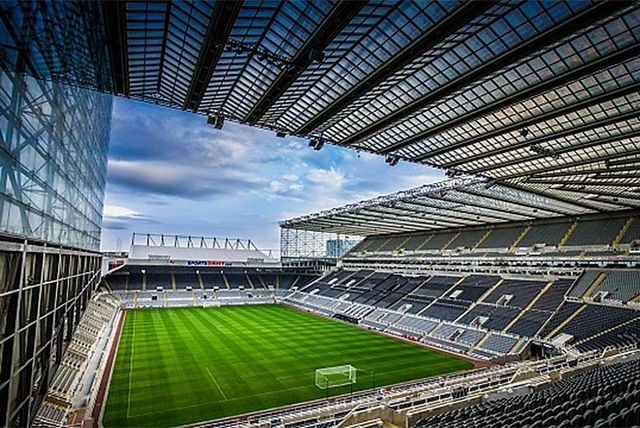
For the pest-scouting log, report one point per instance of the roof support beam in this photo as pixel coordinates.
(447, 212)
(487, 213)
(601, 193)
(520, 96)
(222, 20)
(580, 162)
(552, 114)
(115, 23)
(523, 205)
(427, 222)
(488, 205)
(594, 171)
(368, 223)
(534, 157)
(630, 160)
(545, 195)
(325, 225)
(375, 220)
(552, 35)
(337, 19)
(590, 182)
(385, 218)
(427, 41)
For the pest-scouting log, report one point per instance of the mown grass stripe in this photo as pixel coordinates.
(195, 364)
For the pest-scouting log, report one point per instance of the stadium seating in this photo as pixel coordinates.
(595, 232)
(632, 233)
(603, 396)
(529, 322)
(466, 240)
(484, 316)
(82, 364)
(583, 238)
(133, 279)
(502, 237)
(520, 293)
(594, 319)
(620, 285)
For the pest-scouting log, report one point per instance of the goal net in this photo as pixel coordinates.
(333, 377)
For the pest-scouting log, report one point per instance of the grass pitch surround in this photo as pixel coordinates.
(186, 365)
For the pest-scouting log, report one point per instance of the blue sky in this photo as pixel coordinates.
(169, 172)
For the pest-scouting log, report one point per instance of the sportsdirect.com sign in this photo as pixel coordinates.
(207, 263)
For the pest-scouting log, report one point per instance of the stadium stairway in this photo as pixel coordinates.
(589, 291)
(622, 232)
(200, 282)
(566, 321)
(484, 238)
(606, 331)
(529, 306)
(226, 281)
(82, 362)
(520, 238)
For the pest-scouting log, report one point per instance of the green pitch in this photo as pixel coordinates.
(177, 366)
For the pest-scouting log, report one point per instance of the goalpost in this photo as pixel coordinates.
(333, 377)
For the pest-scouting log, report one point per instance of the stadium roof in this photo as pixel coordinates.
(457, 202)
(523, 90)
(536, 95)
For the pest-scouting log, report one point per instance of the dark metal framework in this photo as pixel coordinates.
(497, 89)
(53, 149)
(44, 291)
(457, 202)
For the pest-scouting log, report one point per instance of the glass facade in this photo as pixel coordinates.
(53, 136)
(53, 161)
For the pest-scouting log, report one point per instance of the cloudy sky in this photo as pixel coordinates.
(170, 172)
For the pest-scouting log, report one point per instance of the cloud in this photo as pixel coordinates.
(156, 151)
(177, 179)
(122, 218)
(176, 174)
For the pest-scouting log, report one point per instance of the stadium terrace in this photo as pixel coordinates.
(507, 294)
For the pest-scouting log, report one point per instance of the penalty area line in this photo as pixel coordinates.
(216, 382)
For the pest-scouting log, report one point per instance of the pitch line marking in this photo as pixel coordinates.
(216, 382)
(244, 397)
(133, 337)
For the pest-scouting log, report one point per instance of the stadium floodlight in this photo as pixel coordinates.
(217, 120)
(316, 143)
(316, 55)
(392, 160)
(333, 377)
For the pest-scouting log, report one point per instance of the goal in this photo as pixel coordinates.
(333, 377)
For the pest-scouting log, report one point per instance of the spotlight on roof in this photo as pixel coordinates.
(392, 160)
(524, 132)
(545, 151)
(316, 143)
(316, 55)
(489, 184)
(281, 134)
(217, 120)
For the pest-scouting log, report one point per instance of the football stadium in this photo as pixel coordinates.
(506, 294)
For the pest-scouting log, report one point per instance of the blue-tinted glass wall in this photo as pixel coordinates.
(53, 136)
(53, 142)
